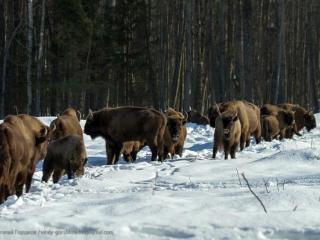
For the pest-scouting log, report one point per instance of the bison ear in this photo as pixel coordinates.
(235, 118)
(42, 135)
(79, 115)
(184, 121)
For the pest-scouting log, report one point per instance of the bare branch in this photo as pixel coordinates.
(239, 177)
(255, 195)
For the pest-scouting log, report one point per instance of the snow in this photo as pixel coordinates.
(193, 197)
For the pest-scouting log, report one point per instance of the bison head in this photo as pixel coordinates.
(228, 121)
(287, 116)
(309, 120)
(213, 113)
(175, 125)
(91, 126)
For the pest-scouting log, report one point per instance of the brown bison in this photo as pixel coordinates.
(300, 114)
(65, 155)
(175, 133)
(277, 125)
(227, 133)
(249, 117)
(196, 117)
(118, 125)
(303, 118)
(23, 143)
(67, 123)
(130, 150)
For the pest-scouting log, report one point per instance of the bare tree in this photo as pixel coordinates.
(29, 50)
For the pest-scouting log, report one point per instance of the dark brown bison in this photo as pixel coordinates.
(118, 125)
(175, 133)
(196, 117)
(67, 123)
(303, 118)
(227, 133)
(23, 143)
(277, 125)
(130, 150)
(248, 114)
(65, 155)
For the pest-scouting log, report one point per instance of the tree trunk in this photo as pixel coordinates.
(39, 60)
(280, 12)
(188, 69)
(29, 52)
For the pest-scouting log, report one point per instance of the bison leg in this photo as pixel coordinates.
(154, 151)
(179, 149)
(57, 175)
(29, 177)
(282, 134)
(248, 141)
(165, 152)
(134, 155)
(117, 151)
(242, 141)
(127, 157)
(226, 147)
(20, 181)
(257, 134)
(215, 150)
(47, 169)
(233, 150)
(110, 154)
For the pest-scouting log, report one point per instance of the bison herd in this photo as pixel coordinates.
(24, 140)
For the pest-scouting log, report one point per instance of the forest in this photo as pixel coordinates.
(160, 53)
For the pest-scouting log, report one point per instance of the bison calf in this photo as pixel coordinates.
(130, 150)
(277, 125)
(175, 133)
(227, 133)
(66, 154)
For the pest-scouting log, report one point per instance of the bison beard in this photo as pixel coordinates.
(118, 125)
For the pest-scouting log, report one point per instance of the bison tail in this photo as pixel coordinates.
(265, 130)
(5, 156)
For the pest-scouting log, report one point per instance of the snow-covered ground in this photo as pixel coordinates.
(194, 197)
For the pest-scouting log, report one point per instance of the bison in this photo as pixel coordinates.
(277, 125)
(130, 150)
(118, 125)
(196, 117)
(23, 143)
(175, 133)
(66, 154)
(227, 133)
(269, 109)
(67, 123)
(303, 118)
(249, 117)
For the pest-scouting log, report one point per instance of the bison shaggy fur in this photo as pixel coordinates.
(122, 124)
(65, 155)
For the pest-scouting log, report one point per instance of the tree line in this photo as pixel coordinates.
(160, 53)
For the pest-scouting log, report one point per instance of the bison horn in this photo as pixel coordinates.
(79, 115)
(218, 110)
(90, 116)
(185, 114)
(53, 127)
